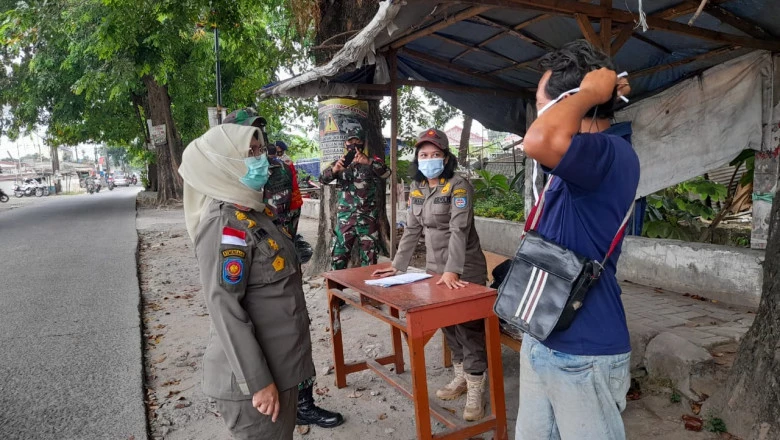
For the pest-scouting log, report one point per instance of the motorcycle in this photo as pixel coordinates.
(93, 185)
(111, 184)
(3, 196)
(134, 180)
(310, 189)
(29, 188)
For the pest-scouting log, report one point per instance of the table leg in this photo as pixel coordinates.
(422, 412)
(446, 352)
(398, 348)
(496, 376)
(336, 340)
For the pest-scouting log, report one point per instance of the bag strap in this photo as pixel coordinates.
(536, 213)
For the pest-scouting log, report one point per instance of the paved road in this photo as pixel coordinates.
(70, 337)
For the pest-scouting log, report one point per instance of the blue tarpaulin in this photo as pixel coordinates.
(495, 45)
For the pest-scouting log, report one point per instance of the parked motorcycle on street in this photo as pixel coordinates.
(3, 196)
(29, 188)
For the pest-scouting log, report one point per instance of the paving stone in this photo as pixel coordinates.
(640, 336)
(670, 356)
(688, 314)
(732, 333)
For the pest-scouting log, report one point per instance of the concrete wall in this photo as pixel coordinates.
(728, 274)
(723, 273)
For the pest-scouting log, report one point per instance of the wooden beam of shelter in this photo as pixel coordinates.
(504, 33)
(460, 69)
(736, 22)
(439, 25)
(662, 67)
(519, 34)
(520, 93)
(569, 7)
(587, 30)
(622, 37)
(646, 40)
(471, 46)
(523, 64)
(606, 28)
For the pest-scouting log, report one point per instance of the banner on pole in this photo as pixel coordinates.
(336, 118)
(158, 135)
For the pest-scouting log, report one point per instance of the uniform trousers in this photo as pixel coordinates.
(246, 423)
(467, 342)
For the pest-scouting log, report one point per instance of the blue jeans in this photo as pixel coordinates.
(570, 397)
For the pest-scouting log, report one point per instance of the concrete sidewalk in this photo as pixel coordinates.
(687, 330)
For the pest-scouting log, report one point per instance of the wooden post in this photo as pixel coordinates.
(606, 29)
(393, 151)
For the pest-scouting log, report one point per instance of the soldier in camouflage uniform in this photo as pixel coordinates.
(358, 210)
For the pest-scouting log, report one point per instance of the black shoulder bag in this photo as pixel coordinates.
(546, 283)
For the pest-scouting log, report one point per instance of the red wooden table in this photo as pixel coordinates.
(427, 308)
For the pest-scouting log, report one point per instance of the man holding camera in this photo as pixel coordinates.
(359, 179)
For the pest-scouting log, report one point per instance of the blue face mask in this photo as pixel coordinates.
(256, 172)
(431, 168)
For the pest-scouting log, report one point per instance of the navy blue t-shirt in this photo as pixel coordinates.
(595, 183)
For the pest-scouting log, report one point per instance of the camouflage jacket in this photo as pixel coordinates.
(278, 194)
(358, 184)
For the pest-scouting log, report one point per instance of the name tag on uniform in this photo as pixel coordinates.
(416, 201)
(442, 200)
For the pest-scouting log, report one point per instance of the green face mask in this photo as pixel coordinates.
(256, 172)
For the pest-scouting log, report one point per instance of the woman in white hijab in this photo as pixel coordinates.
(259, 348)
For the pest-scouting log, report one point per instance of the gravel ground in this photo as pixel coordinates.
(176, 326)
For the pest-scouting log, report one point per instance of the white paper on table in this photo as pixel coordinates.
(395, 280)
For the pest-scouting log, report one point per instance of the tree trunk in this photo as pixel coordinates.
(55, 167)
(320, 260)
(336, 18)
(749, 401)
(465, 136)
(169, 183)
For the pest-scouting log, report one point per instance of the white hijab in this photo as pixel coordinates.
(211, 167)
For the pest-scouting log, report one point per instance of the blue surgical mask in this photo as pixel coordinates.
(431, 168)
(256, 172)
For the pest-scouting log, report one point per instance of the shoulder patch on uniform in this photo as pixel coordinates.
(233, 270)
(278, 263)
(417, 193)
(460, 202)
(459, 192)
(446, 188)
(443, 199)
(268, 212)
(233, 236)
(418, 201)
(233, 253)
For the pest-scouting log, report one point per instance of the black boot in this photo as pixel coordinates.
(309, 414)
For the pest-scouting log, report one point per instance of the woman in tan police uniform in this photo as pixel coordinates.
(441, 204)
(259, 348)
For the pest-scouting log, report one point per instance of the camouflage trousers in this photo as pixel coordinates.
(354, 226)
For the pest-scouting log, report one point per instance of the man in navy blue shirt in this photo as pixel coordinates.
(573, 385)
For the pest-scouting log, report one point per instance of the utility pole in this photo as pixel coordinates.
(219, 76)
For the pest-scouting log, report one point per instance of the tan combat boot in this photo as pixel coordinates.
(475, 402)
(456, 387)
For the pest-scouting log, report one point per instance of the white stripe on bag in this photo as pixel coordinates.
(527, 289)
(533, 294)
(537, 297)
